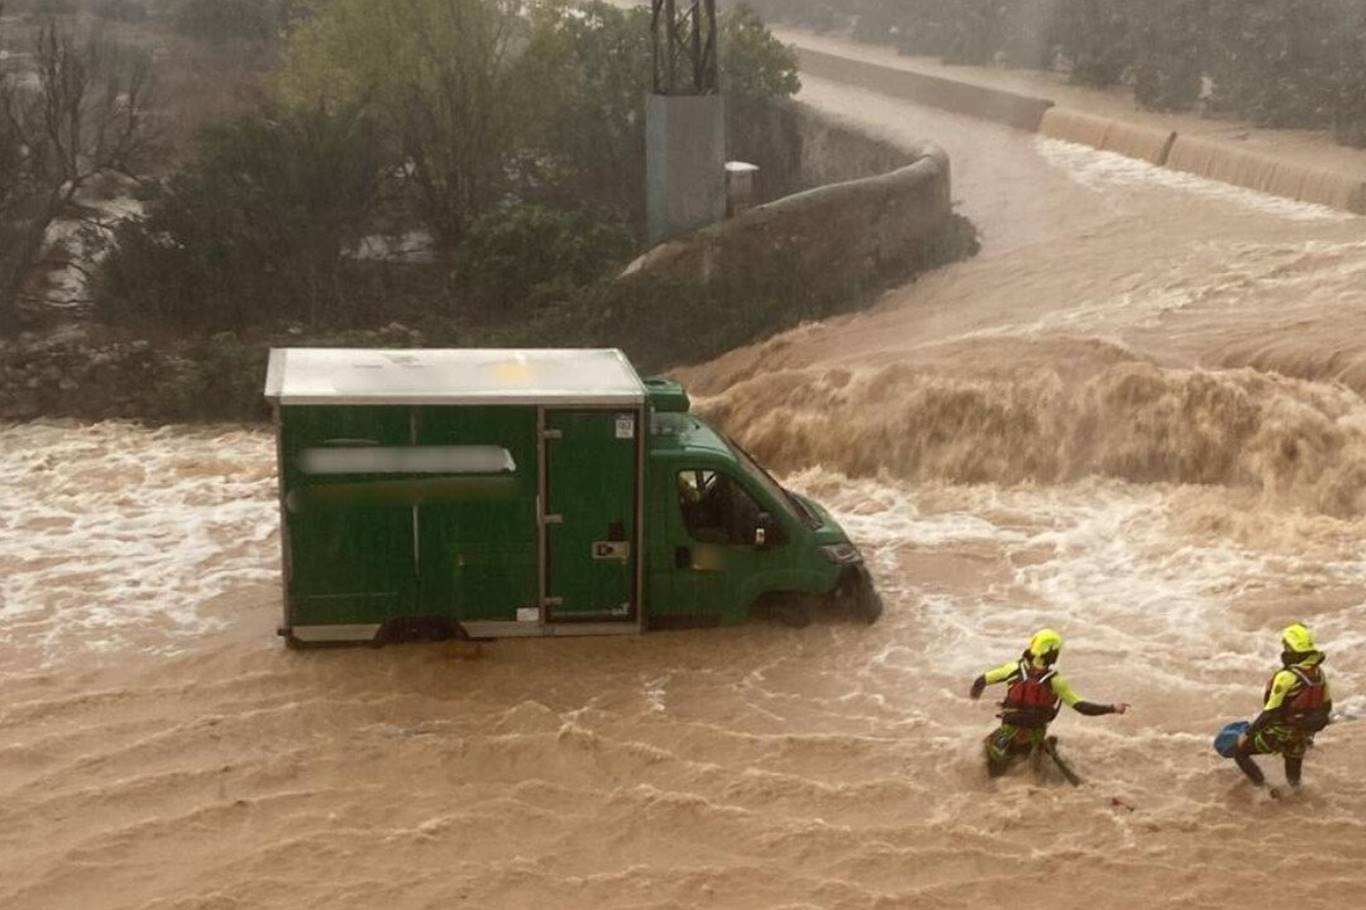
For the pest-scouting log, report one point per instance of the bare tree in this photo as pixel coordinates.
(83, 113)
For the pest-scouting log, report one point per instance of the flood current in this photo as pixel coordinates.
(1136, 417)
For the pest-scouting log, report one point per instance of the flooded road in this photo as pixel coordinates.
(1136, 417)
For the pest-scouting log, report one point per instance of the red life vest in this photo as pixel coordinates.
(1305, 705)
(1030, 701)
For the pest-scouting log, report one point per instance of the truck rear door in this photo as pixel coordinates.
(591, 521)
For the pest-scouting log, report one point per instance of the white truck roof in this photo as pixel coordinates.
(342, 376)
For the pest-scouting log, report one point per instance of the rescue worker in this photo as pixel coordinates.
(1033, 699)
(1296, 705)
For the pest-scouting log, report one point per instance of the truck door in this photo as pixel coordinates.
(717, 567)
(592, 470)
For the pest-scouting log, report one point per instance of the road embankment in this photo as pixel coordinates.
(1007, 107)
(1290, 164)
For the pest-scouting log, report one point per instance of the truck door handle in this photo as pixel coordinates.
(682, 558)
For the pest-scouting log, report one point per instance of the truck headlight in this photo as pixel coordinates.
(842, 554)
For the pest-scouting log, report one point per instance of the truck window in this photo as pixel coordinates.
(779, 493)
(716, 509)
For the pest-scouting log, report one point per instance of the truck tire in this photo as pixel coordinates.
(792, 612)
(416, 629)
(790, 608)
(869, 607)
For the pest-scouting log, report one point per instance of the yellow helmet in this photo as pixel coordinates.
(1045, 642)
(1298, 638)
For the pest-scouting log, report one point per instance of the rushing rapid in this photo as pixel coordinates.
(1137, 417)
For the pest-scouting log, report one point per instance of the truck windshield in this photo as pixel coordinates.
(774, 489)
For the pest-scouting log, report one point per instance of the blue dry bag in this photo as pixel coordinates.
(1227, 740)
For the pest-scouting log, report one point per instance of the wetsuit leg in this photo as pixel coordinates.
(1000, 749)
(1293, 765)
(1249, 767)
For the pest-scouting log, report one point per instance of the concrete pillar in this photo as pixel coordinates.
(685, 159)
(740, 189)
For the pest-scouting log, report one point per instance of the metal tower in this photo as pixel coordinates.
(684, 37)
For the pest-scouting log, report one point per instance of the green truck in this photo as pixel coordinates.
(494, 493)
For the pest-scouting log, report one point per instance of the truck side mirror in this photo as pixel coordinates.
(763, 531)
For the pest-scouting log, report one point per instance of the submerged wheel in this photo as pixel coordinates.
(792, 613)
(789, 608)
(856, 597)
(416, 628)
(869, 607)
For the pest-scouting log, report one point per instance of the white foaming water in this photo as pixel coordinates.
(113, 533)
(1104, 170)
(1098, 320)
(1104, 563)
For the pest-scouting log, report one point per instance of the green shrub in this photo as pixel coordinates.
(1274, 61)
(121, 10)
(252, 231)
(754, 64)
(1028, 33)
(1096, 36)
(512, 252)
(1347, 92)
(229, 20)
(1171, 47)
(46, 9)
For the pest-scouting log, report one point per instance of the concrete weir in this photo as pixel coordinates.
(1223, 161)
(1020, 111)
(1129, 139)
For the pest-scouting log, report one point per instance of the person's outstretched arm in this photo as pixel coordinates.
(992, 677)
(1080, 705)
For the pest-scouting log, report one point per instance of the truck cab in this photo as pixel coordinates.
(725, 539)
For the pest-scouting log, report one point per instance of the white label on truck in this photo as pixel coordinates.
(528, 614)
(626, 426)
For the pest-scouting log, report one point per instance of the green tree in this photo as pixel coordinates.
(754, 64)
(515, 254)
(1274, 59)
(446, 76)
(229, 20)
(1171, 49)
(253, 230)
(592, 64)
(1347, 83)
(1096, 36)
(87, 115)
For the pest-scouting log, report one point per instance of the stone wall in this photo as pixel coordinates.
(873, 207)
(798, 148)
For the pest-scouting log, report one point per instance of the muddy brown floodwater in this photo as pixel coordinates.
(1136, 417)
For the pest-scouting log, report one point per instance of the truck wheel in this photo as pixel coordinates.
(792, 613)
(870, 606)
(415, 629)
(857, 597)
